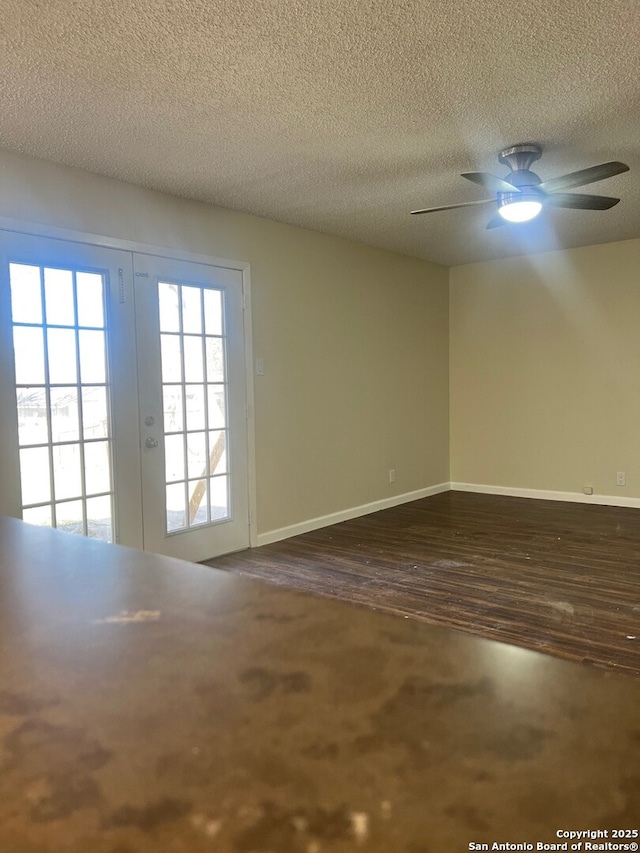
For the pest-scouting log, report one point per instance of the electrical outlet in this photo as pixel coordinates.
(588, 490)
(621, 479)
(259, 366)
(392, 475)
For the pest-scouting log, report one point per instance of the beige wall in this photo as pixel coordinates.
(354, 339)
(545, 370)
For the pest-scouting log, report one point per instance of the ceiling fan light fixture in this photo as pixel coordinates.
(518, 207)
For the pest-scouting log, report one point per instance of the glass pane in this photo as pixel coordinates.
(176, 516)
(168, 301)
(191, 310)
(198, 502)
(216, 403)
(40, 515)
(196, 455)
(174, 457)
(173, 419)
(29, 354)
(58, 296)
(32, 415)
(215, 360)
(69, 517)
(218, 497)
(65, 419)
(90, 299)
(194, 395)
(193, 366)
(26, 302)
(217, 452)
(92, 357)
(99, 525)
(66, 471)
(62, 356)
(34, 475)
(213, 312)
(171, 358)
(97, 467)
(95, 418)
(51, 414)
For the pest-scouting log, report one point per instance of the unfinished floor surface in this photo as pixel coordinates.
(148, 705)
(563, 578)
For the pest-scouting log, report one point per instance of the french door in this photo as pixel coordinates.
(192, 406)
(122, 382)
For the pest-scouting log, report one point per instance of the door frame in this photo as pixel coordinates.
(34, 229)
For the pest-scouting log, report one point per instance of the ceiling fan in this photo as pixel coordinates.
(521, 195)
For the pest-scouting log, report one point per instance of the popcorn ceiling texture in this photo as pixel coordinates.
(336, 115)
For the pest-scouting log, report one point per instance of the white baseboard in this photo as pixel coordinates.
(365, 509)
(346, 514)
(543, 494)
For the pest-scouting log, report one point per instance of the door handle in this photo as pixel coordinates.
(151, 443)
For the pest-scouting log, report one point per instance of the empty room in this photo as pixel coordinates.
(319, 406)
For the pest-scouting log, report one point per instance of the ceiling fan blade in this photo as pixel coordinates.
(580, 201)
(496, 221)
(584, 176)
(452, 206)
(490, 182)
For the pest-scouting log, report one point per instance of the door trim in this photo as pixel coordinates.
(36, 229)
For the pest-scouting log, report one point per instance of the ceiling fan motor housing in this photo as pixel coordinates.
(524, 203)
(526, 182)
(519, 158)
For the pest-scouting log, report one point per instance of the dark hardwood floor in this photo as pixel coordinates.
(562, 578)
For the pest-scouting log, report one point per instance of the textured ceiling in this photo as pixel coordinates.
(336, 115)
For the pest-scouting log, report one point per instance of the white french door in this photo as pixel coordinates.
(67, 345)
(193, 409)
(123, 398)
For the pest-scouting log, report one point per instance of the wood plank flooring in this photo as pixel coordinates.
(562, 578)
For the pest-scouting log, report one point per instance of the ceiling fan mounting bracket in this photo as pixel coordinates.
(520, 157)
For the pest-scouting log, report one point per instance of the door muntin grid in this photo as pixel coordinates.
(63, 397)
(195, 405)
